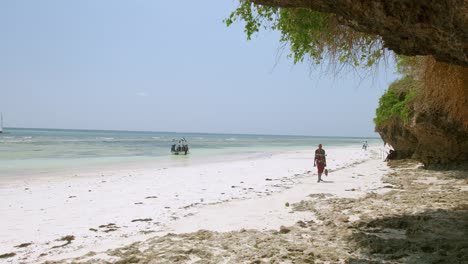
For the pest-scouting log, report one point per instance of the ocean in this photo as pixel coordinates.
(36, 151)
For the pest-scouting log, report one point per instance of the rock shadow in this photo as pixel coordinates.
(433, 236)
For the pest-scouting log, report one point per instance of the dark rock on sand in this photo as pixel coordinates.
(8, 255)
(23, 245)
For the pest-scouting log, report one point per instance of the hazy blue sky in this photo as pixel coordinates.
(166, 66)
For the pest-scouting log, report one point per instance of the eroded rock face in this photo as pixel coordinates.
(408, 27)
(436, 131)
(429, 138)
(441, 142)
(399, 137)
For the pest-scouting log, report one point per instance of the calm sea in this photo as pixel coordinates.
(43, 150)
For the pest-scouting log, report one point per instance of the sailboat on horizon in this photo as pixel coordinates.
(1, 123)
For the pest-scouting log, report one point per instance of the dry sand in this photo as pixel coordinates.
(410, 215)
(422, 219)
(52, 217)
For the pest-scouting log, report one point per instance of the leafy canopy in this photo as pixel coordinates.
(310, 34)
(396, 101)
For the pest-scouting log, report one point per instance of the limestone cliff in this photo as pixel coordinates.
(430, 138)
(435, 128)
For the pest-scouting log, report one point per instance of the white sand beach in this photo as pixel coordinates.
(71, 215)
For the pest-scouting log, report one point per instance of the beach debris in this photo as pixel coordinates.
(145, 232)
(151, 197)
(268, 179)
(23, 245)
(142, 220)
(286, 204)
(89, 190)
(343, 218)
(26, 189)
(167, 207)
(72, 196)
(350, 190)
(68, 240)
(93, 229)
(301, 223)
(284, 230)
(8, 255)
(138, 203)
(108, 225)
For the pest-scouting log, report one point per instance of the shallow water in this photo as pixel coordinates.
(25, 151)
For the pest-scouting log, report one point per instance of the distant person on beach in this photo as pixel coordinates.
(320, 161)
(391, 155)
(365, 145)
(389, 152)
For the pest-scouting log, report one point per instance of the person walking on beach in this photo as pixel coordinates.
(365, 145)
(320, 161)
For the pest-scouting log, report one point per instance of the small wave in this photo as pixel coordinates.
(27, 137)
(155, 137)
(13, 140)
(231, 139)
(105, 138)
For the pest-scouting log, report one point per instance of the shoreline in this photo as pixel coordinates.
(105, 212)
(130, 166)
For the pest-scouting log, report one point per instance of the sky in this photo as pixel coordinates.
(168, 66)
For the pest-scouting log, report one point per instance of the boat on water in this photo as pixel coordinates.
(179, 147)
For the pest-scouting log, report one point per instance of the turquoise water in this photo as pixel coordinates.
(39, 150)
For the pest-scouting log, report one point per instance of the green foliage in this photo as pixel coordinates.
(405, 65)
(396, 101)
(310, 34)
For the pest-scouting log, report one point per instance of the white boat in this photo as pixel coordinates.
(179, 147)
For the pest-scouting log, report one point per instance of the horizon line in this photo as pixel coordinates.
(188, 132)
